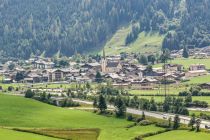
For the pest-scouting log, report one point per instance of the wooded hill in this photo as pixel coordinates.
(38, 27)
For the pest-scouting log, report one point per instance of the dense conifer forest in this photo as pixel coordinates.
(35, 27)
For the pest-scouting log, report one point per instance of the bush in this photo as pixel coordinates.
(145, 123)
(10, 88)
(69, 103)
(130, 118)
(29, 94)
(196, 103)
(162, 124)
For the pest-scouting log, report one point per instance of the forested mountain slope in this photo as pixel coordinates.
(35, 26)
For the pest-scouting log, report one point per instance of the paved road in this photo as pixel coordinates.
(200, 109)
(159, 115)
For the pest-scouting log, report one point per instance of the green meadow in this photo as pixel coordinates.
(186, 62)
(161, 98)
(145, 43)
(180, 135)
(199, 80)
(19, 112)
(6, 134)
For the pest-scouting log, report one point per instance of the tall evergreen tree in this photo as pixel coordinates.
(185, 52)
(176, 122)
(192, 121)
(102, 106)
(120, 107)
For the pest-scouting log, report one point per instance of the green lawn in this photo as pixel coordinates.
(145, 43)
(161, 98)
(186, 62)
(199, 80)
(20, 112)
(6, 134)
(180, 135)
(170, 90)
(197, 113)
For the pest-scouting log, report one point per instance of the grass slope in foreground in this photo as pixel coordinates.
(145, 43)
(20, 112)
(6, 134)
(180, 135)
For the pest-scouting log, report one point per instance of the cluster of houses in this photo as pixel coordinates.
(122, 73)
(195, 53)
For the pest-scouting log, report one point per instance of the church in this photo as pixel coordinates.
(109, 66)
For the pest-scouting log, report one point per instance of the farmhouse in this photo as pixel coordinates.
(205, 86)
(40, 64)
(196, 73)
(144, 84)
(55, 75)
(173, 67)
(197, 67)
(94, 66)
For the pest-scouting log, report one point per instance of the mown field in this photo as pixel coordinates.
(199, 80)
(186, 62)
(170, 91)
(180, 135)
(161, 98)
(145, 43)
(20, 112)
(6, 134)
(197, 113)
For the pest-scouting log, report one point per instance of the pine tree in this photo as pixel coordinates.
(176, 122)
(102, 104)
(185, 52)
(95, 103)
(198, 123)
(98, 77)
(192, 121)
(120, 107)
(143, 117)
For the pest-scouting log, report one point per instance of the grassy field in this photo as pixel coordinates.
(172, 89)
(186, 62)
(6, 134)
(145, 43)
(161, 98)
(180, 135)
(199, 80)
(155, 91)
(197, 113)
(20, 112)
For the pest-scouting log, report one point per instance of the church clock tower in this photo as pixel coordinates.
(103, 62)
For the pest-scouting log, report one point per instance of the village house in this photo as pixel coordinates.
(196, 70)
(1, 67)
(196, 67)
(196, 73)
(173, 67)
(205, 86)
(55, 75)
(93, 66)
(144, 84)
(40, 64)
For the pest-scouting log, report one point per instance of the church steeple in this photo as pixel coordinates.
(103, 62)
(104, 54)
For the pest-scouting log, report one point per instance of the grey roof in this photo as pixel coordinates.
(112, 64)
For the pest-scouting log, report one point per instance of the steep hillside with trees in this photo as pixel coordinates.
(35, 27)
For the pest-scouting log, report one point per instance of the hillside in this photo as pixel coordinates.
(38, 27)
(27, 113)
(145, 42)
